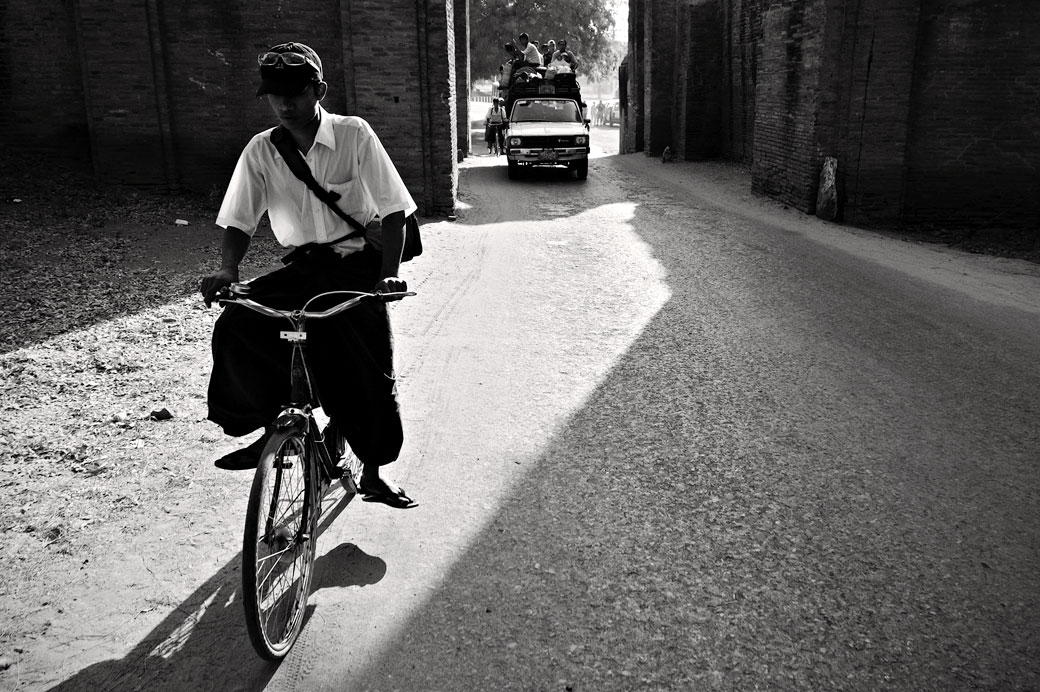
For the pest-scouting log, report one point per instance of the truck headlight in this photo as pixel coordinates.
(581, 139)
(514, 141)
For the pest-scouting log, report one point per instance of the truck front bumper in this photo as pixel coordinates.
(546, 157)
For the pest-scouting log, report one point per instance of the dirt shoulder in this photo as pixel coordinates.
(103, 328)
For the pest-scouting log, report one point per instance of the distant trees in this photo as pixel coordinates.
(588, 26)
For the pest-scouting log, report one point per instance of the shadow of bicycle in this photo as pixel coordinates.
(203, 643)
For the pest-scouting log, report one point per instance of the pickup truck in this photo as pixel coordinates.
(547, 131)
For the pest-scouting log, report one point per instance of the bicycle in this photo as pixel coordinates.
(295, 470)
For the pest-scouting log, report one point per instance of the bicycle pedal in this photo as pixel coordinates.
(347, 481)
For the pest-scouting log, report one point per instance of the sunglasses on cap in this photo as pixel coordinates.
(290, 59)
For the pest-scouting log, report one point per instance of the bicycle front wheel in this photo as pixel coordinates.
(279, 544)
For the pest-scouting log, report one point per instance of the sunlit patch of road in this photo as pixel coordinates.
(515, 324)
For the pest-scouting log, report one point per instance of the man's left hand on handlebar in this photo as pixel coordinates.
(391, 284)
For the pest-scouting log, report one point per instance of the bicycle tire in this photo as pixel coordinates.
(279, 544)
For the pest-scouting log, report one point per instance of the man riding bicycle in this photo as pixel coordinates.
(351, 354)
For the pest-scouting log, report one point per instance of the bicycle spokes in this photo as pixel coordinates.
(279, 549)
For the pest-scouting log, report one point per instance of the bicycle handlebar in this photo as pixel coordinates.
(236, 295)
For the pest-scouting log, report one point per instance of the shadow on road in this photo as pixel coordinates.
(748, 500)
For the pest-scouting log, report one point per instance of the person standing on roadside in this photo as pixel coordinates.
(352, 354)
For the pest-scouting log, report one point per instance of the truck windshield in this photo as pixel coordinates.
(548, 110)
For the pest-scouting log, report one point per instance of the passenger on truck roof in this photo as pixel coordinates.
(573, 59)
(505, 70)
(531, 55)
(547, 52)
(561, 64)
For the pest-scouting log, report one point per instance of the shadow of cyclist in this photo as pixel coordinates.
(203, 644)
(347, 565)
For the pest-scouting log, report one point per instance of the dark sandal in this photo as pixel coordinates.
(243, 459)
(398, 500)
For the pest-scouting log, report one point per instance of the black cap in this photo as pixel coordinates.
(289, 80)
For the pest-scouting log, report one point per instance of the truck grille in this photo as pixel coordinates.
(546, 142)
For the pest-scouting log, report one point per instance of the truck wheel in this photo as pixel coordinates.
(514, 170)
(582, 169)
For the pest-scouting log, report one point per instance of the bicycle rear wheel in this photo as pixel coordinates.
(279, 544)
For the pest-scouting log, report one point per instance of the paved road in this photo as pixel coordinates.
(667, 438)
(670, 437)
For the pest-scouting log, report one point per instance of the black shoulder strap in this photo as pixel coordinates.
(285, 145)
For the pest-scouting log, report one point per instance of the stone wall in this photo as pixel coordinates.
(161, 93)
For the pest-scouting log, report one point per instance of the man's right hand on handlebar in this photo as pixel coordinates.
(215, 282)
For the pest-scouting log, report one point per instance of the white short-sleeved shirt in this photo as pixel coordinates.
(346, 157)
(532, 55)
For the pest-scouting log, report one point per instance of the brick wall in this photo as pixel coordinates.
(462, 76)
(786, 155)
(974, 153)
(658, 75)
(697, 111)
(439, 143)
(208, 55)
(931, 107)
(40, 75)
(682, 105)
(162, 93)
(741, 35)
(864, 104)
(632, 106)
(123, 109)
(384, 57)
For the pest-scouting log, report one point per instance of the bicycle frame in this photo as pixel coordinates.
(274, 619)
(298, 412)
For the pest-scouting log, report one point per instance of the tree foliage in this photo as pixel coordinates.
(588, 26)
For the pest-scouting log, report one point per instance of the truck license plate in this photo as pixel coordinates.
(547, 155)
(546, 88)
